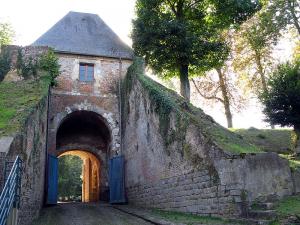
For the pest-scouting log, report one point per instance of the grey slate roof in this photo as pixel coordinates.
(86, 34)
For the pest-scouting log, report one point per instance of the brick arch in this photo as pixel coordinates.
(106, 116)
(82, 129)
(72, 135)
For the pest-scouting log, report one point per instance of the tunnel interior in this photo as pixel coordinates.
(83, 129)
(85, 134)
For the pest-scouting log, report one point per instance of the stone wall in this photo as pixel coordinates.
(170, 178)
(194, 192)
(173, 162)
(296, 181)
(263, 177)
(5, 143)
(30, 145)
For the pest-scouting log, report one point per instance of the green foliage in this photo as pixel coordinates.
(166, 102)
(182, 37)
(6, 34)
(49, 62)
(18, 100)
(281, 14)
(282, 101)
(69, 172)
(28, 68)
(294, 162)
(5, 63)
(289, 206)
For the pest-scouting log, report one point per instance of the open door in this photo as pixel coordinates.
(116, 180)
(52, 180)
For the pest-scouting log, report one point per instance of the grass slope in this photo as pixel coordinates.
(166, 101)
(186, 218)
(270, 140)
(17, 100)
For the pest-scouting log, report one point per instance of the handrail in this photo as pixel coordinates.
(10, 195)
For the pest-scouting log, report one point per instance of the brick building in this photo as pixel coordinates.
(84, 117)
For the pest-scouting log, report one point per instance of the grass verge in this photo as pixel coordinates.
(180, 217)
(17, 100)
(270, 140)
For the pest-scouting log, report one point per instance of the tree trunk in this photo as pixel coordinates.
(226, 102)
(184, 82)
(261, 71)
(297, 144)
(295, 20)
(262, 75)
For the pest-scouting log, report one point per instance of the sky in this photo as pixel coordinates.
(31, 18)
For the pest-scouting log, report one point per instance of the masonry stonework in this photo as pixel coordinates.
(99, 96)
(195, 175)
(30, 145)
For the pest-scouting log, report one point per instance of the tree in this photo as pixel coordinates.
(181, 37)
(281, 13)
(282, 101)
(69, 181)
(223, 88)
(252, 48)
(6, 34)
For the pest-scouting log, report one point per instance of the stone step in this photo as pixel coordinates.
(263, 206)
(262, 214)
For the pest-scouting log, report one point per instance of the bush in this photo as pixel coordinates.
(28, 68)
(5, 63)
(49, 62)
(282, 100)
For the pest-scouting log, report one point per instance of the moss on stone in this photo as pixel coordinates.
(166, 102)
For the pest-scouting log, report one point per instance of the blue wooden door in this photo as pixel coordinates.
(52, 180)
(116, 180)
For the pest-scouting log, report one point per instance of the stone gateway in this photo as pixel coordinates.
(175, 156)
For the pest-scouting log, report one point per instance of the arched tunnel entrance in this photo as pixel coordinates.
(86, 134)
(90, 175)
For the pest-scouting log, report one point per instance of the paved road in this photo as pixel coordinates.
(86, 214)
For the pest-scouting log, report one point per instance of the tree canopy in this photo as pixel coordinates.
(6, 34)
(282, 101)
(182, 37)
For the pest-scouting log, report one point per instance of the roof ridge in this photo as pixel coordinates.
(84, 33)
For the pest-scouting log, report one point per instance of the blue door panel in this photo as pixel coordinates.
(52, 180)
(116, 180)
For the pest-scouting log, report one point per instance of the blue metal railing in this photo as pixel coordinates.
(10, 195)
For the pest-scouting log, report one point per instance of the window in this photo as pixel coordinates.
(86, 72)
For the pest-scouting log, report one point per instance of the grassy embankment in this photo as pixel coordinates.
(17, 100)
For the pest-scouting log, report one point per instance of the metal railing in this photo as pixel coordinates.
(10, 195)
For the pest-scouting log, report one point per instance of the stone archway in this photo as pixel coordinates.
(87, 135)
(90, 174)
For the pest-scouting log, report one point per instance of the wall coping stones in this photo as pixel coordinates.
(5, 143)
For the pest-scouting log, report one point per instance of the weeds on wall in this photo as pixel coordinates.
(28, 68)
(167, 103)
(49, 63)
